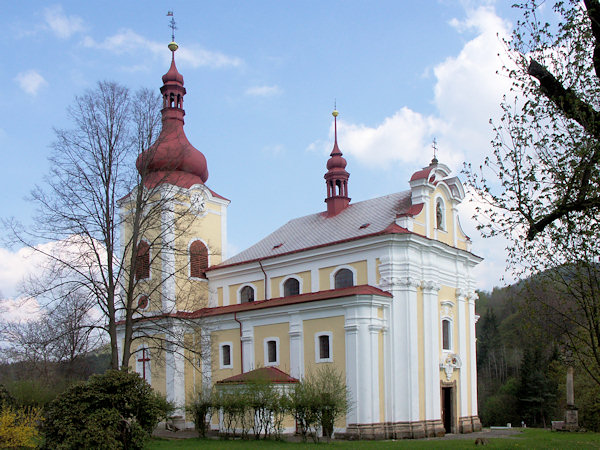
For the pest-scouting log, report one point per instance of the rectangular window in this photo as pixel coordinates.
(225, 355)
(446, 335)
(323, 347)
(271, 351)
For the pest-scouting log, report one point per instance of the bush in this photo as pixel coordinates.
(202, 409)
(116, 410)
(19, 427)
(318, 401)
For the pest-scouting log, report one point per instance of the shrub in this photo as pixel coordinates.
(318, 401)
(19, 427)
(116, 410)
(202, 409)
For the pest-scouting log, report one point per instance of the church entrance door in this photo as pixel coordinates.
(447, 417)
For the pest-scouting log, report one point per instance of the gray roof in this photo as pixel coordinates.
(358, 219)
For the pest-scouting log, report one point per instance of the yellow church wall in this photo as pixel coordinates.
(377, 273)
(276, 283)
(335, 325)
(220, 296)
(259, 290)
(325, 274)
(421, 344)
(280, 331)
(447, 235)
(157, 365)
(217, 337)
(419, 223)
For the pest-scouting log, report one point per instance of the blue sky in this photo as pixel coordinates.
(261, 78)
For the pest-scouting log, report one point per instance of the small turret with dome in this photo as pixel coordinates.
(336, 177)
(172, 159)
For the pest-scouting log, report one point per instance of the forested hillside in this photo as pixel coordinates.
(522, 364)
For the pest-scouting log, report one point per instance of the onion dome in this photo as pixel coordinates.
(172, 159)
(336, 178)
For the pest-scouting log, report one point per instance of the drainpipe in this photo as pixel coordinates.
(265, 273)
(241, 343)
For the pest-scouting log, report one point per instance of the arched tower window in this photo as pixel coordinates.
(247, 294)
(142, 264)
(198, 259)
(344, 278)
(439, 214)
(291, 287)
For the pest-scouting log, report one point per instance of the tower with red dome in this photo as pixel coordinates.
(336, 178)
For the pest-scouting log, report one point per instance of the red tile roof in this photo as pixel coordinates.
(270, 374)
(285, 301)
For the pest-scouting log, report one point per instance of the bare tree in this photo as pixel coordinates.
(97, 210)
(542, 183)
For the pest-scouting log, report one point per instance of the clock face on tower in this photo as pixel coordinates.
(198, 202)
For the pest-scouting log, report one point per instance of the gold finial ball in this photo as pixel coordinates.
(173, 46)
(335, 113)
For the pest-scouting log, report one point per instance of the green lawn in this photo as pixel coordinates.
(530, 438)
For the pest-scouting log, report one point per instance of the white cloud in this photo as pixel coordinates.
(467, 93)
(263, 91)
(30, 81)
(19, 310)
(128, 41)
(60, 24)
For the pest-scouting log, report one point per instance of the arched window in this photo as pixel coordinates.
(439, 214)
(344, 278)
(291, 287)
(198, 259)
(446, 335)
(247, 294)
(142, 264)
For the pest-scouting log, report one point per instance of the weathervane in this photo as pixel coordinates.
(172, 25)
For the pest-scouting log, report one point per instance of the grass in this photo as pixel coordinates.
(529, 439)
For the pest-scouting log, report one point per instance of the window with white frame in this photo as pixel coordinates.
(324, 347)
(225, 357)
(247, 294)
(291, 287)
(271, 348)
(446, 334)
(343, 278)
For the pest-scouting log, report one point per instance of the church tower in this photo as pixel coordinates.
(189, 231)
(336, 178)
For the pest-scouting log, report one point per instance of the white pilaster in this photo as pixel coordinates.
(248, 348)
(473, 362)
(175, 377)
(296, 347)
(314, 280)
(431, 326)
(374, 375)
(463, 325)
(167, 256)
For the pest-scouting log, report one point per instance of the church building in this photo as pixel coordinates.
(381, 289)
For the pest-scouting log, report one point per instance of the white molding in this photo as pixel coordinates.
(318, 358)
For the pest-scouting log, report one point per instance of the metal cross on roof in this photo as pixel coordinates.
(172, 25)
